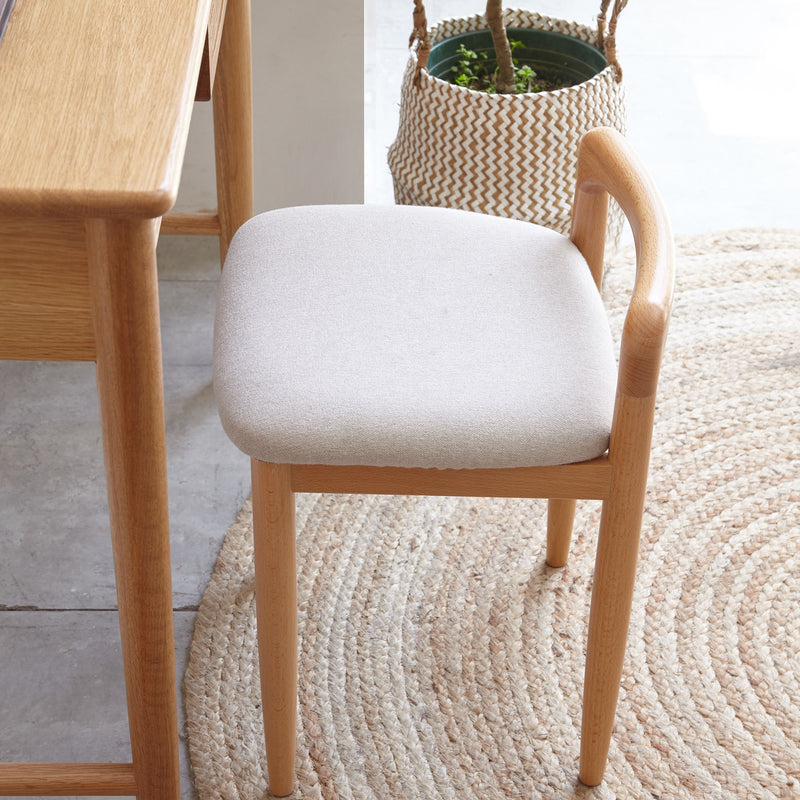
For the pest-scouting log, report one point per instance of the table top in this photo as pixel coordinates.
(95, 102)
(5, 10)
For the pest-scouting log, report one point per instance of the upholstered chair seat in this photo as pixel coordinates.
(418, 338)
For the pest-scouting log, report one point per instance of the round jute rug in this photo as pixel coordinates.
(441, 658)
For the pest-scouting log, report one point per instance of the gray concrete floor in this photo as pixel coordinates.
(60, 661)
(712, 109)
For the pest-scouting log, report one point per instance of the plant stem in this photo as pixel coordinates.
(502, 49)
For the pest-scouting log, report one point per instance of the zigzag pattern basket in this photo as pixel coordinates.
(511, 155)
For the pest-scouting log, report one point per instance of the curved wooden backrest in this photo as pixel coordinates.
(608, 165)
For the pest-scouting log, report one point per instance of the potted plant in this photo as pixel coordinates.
(506, 145)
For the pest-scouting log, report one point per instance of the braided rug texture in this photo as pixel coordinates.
(441, 658)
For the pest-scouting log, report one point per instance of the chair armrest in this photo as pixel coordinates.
(608, 165)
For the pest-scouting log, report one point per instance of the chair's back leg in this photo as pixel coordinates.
(276, 609)
(560, 519)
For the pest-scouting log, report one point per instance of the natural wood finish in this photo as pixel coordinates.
(97, 96)
(276, 603)
(233, 124)
(124, 287)
(208, 66)
(615, 573)
(588, 480)
(606, 165)
(91, 780)
(191, 224)
(585, 234)
(96, 115)
(44, 291)
(560, 520)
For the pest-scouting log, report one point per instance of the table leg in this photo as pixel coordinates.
(124, 289)
(233, 125)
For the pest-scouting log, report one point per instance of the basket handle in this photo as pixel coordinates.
(420, 34)
(606, 34)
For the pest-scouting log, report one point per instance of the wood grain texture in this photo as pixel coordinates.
(90, 780)
(97, 97)
(607, 163)
(276, 604)
(560, 521)
(614, 579)
(190, 224)
(45, 307)
(588, 480)
(233, 124)
(208, 66)
(96, 115)
(124, 284)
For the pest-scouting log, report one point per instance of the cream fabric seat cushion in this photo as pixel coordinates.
(411, 337)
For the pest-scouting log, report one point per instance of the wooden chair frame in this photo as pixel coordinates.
(606, 165)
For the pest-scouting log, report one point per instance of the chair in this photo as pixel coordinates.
(399, 350)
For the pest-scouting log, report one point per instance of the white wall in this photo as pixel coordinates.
(308, 109)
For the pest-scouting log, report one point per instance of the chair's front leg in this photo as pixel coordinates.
(276, 608)
(614, 576)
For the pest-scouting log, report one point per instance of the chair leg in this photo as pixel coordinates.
(614, 577)
(276, 608)
(560, 518)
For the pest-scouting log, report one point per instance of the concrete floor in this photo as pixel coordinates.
(712, 109)
(60, 662)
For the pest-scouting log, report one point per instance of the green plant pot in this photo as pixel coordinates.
(551, 55)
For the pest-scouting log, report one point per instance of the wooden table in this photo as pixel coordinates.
(95, 103)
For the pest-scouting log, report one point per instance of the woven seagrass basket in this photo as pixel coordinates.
(511, 155)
